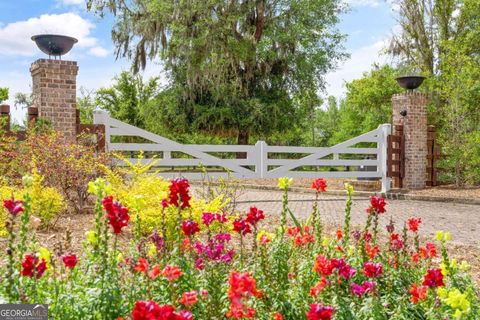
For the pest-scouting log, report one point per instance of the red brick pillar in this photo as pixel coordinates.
(415, 132)
(5, 114)
(54, 93)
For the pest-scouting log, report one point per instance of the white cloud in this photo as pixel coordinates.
(72, 2)
(99, 52)
(360, 61)
(363, 3)
(15, 36)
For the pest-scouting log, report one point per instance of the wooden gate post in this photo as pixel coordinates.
(432, 156)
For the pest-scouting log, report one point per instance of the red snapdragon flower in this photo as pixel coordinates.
(372, 269)
(13, 206)
(320, 312)
(172, 273)
(417, 293)
(371, 251)
(318, 288)
(339, 234)
(70, 261)
(32, 266)
(320, 185)
(149, 310)
(142, 265)
(242, 286)
(241, 226)
(299, 238)
(254, 216)
(414, 223)
(377, 205)
(117, 214)
(189, 298)
(433, 278)
(179, 192)
(428, 251)
(189, 227)
(155, 272)
(395, 242)
(277, 316)
(323, 265)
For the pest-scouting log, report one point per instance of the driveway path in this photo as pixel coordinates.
(462, 220)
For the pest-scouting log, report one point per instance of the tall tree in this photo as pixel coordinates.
(425, 27)
(235, 66)
(441, 38)
(86, 104)
(3, 94)
(459, 87)
(367, 103)
(127, 96)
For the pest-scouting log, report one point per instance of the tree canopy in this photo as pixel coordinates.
(235, 66)
(3, 94)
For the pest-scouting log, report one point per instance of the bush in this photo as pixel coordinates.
(238, 270)
(46, 202)
(144, 193)
(66, 166)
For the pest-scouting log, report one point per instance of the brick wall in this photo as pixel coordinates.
(54, 93)
(415, 131)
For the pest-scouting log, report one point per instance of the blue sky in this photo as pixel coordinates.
(368, 24)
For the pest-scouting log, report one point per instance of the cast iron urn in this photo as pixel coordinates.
(54, 44)
(410, 82)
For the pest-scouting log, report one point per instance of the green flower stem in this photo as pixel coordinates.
(241, 250)
(24, 220)
(375, 228)
(346, 224)
(362, 240)
(283, 221)
(12, 292)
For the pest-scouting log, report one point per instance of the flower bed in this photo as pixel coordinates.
(188, 259)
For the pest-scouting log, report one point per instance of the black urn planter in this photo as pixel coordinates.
(54, 44)
(410, 82)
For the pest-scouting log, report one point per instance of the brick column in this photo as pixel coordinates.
(415, 131)
(54, 93)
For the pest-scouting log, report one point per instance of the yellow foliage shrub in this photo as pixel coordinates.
(142, 192)
(46, 203)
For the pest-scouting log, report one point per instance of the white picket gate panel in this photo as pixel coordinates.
(258, 163)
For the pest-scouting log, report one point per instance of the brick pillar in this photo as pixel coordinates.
(5, 114)
(415, 131)
(54, 93)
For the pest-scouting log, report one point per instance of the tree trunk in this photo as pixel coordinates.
(242, 138)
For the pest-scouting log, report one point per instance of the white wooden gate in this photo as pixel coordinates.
(263, 161)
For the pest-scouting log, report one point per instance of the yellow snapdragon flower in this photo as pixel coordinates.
(266, 234)
(464, 266)
(91, 237)
(284, 183)
(458, 301)
(349, 188)
(443, 236)
(45, 254)
(152, 250)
